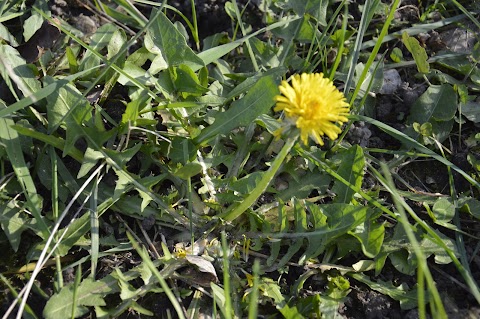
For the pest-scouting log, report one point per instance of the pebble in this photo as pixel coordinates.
(391, 82)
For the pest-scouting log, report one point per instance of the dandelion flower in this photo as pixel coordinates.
(314, 104)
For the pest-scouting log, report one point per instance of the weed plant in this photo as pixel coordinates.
(146, 171)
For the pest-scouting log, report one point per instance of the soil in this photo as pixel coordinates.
(400, 90)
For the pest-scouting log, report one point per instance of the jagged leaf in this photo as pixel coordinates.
(126, 289)
(402, 293)
(166, 41)
(370, 234)
(89, 293)
(12, 223)
(258, 101)
(330, 222)
(302, 187)
(315, 8)
(67, 106)
(90, 159)
(98, 41)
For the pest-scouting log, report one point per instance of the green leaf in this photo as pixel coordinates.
(300, 30)
(212, 54)
(7, 36)
(121, 158)
(99, 40)
(471, 111)
(266, 53)
(89, 293)
(402, 293)
(268, 122)
(186, 81)
(90, 159)
(246, 184)
(418, 52)
(258, 101)
(282, 221)
(11, 140)
(300, 227)
(42, 93)
(56, 142)
(32, 25)
(443, 210)
(396, 55)
(269, 288)
(133, 109)
(351, 168)
(330, 221)
(12, 223)
(189, 170)
(425, 129)
(115, 45)
(139, 309)
(430, 246)
(165, 40)
(13, 67)
(315, 8)
(119, 16)
(303, 186)
(182, 150)
(71, 54)
(218, 296)
(136, 72)
(68, 106)
(400, 251)
(439, 102)
(126, 289)
(117, 41)
(249, 82)
(436, 106)
(132, 11)
(470, 205)
(370, 234)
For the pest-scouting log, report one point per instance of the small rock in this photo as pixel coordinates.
(391, 82)
(459, 40)
(85, 24)
(359, 134)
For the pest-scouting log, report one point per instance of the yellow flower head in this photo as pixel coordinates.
(314, 104)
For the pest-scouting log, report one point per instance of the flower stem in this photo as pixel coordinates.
(235, 211)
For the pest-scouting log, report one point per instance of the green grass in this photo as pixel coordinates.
(150, 167)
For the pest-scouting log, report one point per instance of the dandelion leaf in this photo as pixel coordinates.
(256, 102)
(351, 169)
(12, 224)
(402, 293)
(14, 68)
(330, 222)
(165, 40)
(370, 234)
(89, 293)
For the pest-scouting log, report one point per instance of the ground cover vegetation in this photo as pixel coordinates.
(231, 159)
